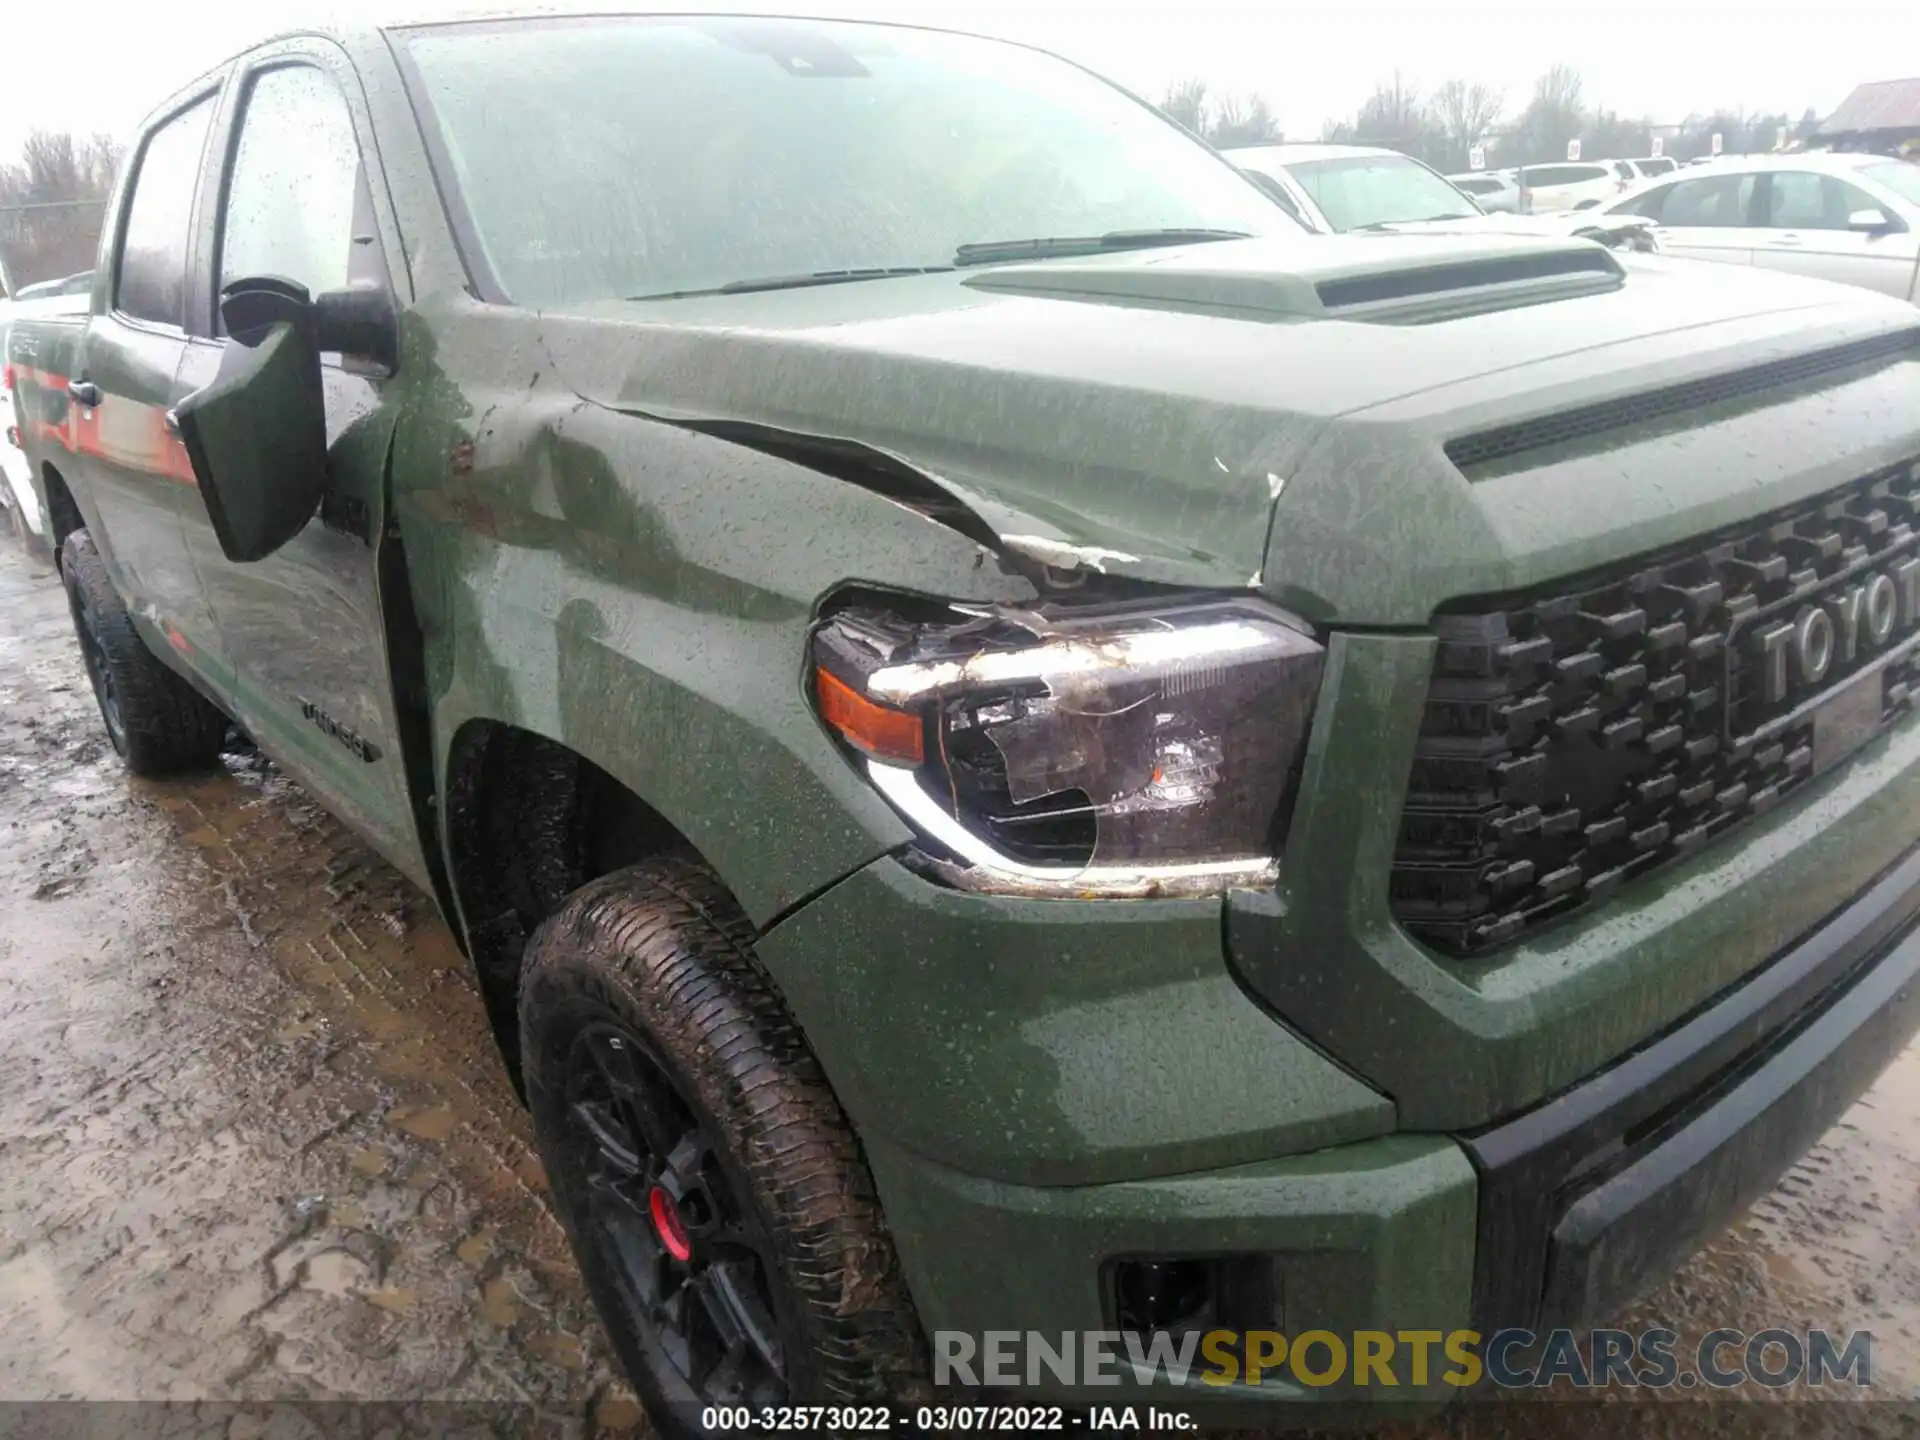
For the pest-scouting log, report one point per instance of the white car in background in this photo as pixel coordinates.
(1342, 189)
(1494, 191)
(1645, 167)
(51, 297)
(1571, 185)
(1846, 217)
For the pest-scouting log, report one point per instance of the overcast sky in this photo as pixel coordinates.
(1658, 58)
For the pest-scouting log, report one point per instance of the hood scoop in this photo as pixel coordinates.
(1377, 279)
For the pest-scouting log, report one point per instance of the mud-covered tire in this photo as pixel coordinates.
(159, 724)
(659, 952)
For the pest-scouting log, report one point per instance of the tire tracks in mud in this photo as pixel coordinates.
(255, 1144)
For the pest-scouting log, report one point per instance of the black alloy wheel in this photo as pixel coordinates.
(687, 1255)
(716, 1195)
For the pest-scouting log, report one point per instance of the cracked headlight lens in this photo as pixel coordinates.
(1130, 752)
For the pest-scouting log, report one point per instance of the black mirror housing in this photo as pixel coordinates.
(256, 434)
(358, 324)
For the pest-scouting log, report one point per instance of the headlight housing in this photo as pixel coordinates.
(1127, 752)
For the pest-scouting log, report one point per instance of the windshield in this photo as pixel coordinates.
(1898, 176)
(624, 157)
(1378, 190)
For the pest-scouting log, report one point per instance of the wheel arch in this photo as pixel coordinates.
(63, 512)
(527, 820)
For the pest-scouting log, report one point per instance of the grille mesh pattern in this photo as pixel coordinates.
(1575, 741)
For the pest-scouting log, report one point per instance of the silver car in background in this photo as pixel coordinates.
(1344, 189)
(1847, 217)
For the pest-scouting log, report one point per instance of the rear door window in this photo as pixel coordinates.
(1802, 200)
(151, 280)
(1712, 201)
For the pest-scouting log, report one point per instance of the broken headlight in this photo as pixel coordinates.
(1142, 752)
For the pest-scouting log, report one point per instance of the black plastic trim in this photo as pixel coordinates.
(1486, 446)
(1589, 1196)
(1424, 281)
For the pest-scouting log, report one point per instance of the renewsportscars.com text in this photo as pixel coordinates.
(1655, 1358)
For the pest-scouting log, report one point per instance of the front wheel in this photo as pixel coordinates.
(158, 723)
(715, 1194)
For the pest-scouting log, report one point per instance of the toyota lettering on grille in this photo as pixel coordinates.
(1819, 653)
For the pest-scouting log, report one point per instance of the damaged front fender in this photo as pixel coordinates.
(644, 595)
(1064, 474)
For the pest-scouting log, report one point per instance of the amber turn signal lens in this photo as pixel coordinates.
(877, 729)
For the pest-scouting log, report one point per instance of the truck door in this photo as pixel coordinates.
(303, 627)
(126, 466)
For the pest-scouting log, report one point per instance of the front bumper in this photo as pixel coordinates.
(1370, 1236)
(1590, 1197)
(1558, 1215)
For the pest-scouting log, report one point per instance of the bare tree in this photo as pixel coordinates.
(1243, 120)
(1226, 120)
(1464, 112)
(1393, 115)
(1610, 135)
(52, 202)
(1187, 104)
(1554, 115)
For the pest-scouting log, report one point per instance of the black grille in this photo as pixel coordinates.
(1578, 739)
(1487, 446)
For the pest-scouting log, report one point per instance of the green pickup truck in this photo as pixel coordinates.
(1015, 743)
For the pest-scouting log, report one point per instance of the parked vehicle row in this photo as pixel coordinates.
(1849, 218)
(1568, 186)
(1346, 189)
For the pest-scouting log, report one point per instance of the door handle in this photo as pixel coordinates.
(1786, 239)
(85, 392)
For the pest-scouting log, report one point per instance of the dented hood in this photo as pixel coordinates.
(1141, 414)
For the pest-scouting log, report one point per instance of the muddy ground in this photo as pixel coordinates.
(255, 1144)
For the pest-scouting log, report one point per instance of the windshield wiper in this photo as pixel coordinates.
(1423, 220)
(799, 282)
(988, 252)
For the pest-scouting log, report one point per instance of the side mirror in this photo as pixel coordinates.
(1870, 222)
(257, 433)
(359, 325)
